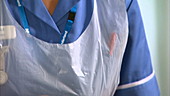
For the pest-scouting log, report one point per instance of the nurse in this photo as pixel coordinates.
(50, 21)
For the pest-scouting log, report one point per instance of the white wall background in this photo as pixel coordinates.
(156, 18)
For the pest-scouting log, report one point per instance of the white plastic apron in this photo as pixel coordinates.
(90, 66)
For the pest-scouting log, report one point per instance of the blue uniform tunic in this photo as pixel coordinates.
(49, 28)
(136, 64)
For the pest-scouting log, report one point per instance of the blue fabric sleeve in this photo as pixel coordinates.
(136, 63)
(147, 89)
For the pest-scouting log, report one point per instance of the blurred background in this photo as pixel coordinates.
(156, 18)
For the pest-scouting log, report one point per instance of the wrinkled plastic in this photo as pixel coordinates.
(89, 66)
